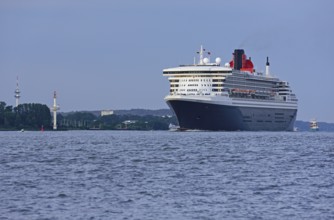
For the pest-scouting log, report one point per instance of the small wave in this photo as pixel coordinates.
(62, 195)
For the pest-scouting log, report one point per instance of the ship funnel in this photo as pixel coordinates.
(238, 58)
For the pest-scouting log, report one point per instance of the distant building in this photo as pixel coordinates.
(129, 122)
(107, 112)
(126, 124)
(167, 116)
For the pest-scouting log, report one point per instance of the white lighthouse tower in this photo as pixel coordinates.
(17, 92)
(55, 108)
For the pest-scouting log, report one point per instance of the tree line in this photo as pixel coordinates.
(31, 116)
(34, 116)
(86, 120)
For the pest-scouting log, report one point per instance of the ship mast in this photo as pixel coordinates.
(267, 68)
(201, 52)
(203, 60)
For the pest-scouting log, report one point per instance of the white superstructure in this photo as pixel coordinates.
(314, 125)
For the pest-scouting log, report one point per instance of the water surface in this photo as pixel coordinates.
(166, 175)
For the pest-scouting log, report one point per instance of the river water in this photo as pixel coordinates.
(166, 175)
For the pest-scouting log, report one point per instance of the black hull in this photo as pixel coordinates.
(204, 116)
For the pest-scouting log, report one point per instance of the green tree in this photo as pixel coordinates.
(2, 113)
(30, 116)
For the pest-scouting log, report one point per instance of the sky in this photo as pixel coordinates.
(109, 54)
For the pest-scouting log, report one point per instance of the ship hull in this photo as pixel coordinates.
(194, 115)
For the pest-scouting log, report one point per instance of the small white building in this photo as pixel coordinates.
(107, 112)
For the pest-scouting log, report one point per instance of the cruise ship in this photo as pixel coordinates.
(231, 97)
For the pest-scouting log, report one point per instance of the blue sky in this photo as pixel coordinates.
(110, 54)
